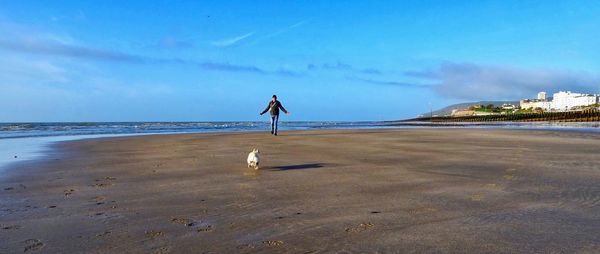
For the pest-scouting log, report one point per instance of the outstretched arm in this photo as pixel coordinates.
(266, 109)
(282, 108)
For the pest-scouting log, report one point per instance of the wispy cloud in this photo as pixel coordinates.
(288, 28)
(372, 71)
(230, 67)
(281, 31)
(479, 82)
(231, 41)
(392, 83)
(337, 66)
(17, 70)
(341, 66)
(66, 50)
(52, 48)
(298, 24)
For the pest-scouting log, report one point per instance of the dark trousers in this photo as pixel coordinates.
(274, 120)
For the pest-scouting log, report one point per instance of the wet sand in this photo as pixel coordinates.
(353, 191)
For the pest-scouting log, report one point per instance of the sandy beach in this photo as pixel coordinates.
(350, 191)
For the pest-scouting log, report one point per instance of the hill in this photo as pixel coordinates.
(448, 110)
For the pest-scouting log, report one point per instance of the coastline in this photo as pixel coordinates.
(423, 190)
(24, 147)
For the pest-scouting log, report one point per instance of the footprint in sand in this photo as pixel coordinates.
(105, 216)
(183, 221)
(68, 192)
(109, 178)
(102, 185)
(9, 227)
(105, 233)
(98, 198)
(361, 227)
(272, 243)
(206, 228)
(477, 197)
(32, 245)
(153, 234)
(162, 250)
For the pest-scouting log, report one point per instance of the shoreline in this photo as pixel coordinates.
(586, 115)
(361, 190)
(37, 146)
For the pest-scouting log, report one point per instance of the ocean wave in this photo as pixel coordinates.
(22, 130)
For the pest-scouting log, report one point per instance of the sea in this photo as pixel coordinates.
(27, 141)
(28, 130)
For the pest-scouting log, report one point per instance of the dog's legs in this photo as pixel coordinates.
(256, 166)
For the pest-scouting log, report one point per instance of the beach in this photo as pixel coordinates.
(430, 190)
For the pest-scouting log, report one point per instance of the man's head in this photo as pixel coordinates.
(274, 97)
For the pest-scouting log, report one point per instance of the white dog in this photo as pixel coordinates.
(254, 158)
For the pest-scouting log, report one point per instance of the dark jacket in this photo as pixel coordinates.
(273, 108)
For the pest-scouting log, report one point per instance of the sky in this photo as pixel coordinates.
(222, 60)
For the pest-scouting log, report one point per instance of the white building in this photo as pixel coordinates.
(564, 101)
(508, 106)
(541, 96)
(536, 103)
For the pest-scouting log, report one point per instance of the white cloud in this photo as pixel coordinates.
(24, 70)
(288, 28)
(231, 41)
(486, 82)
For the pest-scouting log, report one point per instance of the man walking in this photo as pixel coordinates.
(273, 108)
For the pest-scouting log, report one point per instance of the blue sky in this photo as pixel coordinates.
(326, 60)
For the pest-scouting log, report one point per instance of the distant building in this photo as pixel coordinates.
(561, 101)
(541, 96)
(564, 101)
(535, 103)
(508, 106)
(540, 102)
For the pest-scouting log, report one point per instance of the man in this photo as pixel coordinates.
(273, 108)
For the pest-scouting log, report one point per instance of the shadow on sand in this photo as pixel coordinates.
(298, 166)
